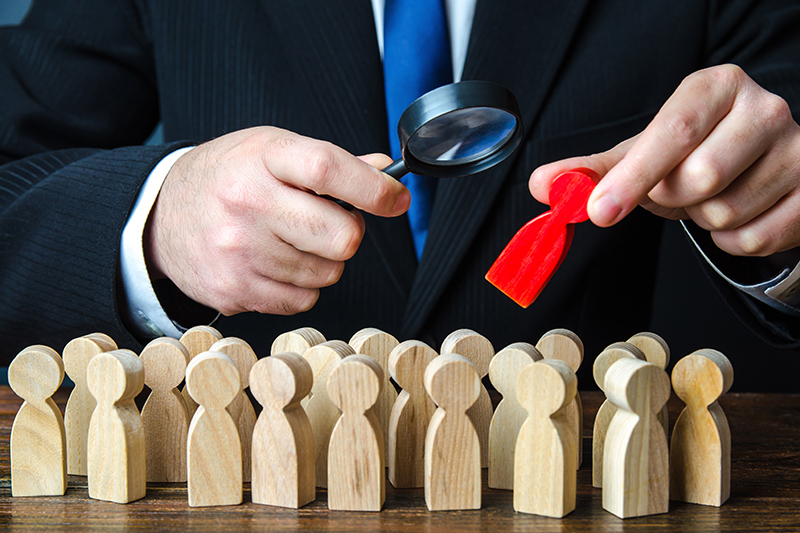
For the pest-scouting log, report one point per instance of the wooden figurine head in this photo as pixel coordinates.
(355, 383)
(452, 382)
(701, 378)
(114, 377)
(213, 380)
(564, 345)
(164, 361)
(548, 385)
(35, 374)
(281, 379)
(637, 386)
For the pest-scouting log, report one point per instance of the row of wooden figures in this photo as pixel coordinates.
(300, 440)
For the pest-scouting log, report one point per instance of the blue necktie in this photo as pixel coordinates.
(416, 59)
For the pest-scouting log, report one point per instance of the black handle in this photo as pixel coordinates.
(397, 169)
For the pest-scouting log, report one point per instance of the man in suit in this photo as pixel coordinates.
(283, 93)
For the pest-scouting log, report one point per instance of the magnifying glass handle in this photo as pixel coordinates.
(397, 169)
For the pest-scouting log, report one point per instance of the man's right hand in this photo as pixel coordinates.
(239, 226)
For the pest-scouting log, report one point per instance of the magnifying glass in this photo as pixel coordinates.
(457, 130)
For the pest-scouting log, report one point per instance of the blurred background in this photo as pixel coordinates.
(688, 314)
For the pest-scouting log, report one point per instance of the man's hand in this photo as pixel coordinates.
(721, 151)
(239, 226)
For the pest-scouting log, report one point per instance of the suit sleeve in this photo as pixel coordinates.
(78, 93)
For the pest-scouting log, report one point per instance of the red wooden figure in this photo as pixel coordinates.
(533, 255)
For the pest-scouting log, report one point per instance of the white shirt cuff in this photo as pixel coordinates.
(145, 313)
(781, 292)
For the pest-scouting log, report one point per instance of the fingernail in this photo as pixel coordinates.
(402, 204)
(606, 209)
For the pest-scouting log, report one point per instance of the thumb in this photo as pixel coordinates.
(379, 161)
(542, 178)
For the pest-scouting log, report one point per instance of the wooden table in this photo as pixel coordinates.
(765, 492)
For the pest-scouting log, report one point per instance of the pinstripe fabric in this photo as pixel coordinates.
(588, 74)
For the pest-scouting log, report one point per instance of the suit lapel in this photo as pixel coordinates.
(519, 44)
(338, 65)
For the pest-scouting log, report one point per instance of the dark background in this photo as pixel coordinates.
(687, 312)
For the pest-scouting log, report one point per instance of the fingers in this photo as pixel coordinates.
(282, 299)
(752, 193)
(245, 269)
(325, 169)
(313, 224)
(775, 230)
(682, 124)
(542, 178)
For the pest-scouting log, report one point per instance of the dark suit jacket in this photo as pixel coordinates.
(83, 83)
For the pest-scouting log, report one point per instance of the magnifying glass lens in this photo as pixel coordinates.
(462, 136)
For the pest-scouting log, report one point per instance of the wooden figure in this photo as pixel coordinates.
(452, 448)
(77, 354)
(283, 443)
(564, 345)
(197, 340)
(241, 409)
(656, 351)
(533, 255)
(38, 438)
(408, 423)
(605, 413)
(378, 345)
(116, 449)
(635, 461)
(700, 453)
(321, 411)
(509, 415)
(297, 341)
(545, 471)
(479, 351)
(356, 469)
(214, 453)
(164, 415)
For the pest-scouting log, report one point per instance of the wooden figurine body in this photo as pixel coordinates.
(241, 409)
(536, 251)
(408, 423)
(479, 351)
(700, 453)
(509, 415)
(635, 461)
(452, 448)
(656, 351)
(379, 345)
(297, 341)
(564, 345)
(164, 414)
(214, 453)
(77, 354)
(605, 413)
(321, 411)
(116, 449)
(197, 340)
(38, 440)
(545, 473)
(356, 469)
(283, 443)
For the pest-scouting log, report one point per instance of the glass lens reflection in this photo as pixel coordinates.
(462, 135)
